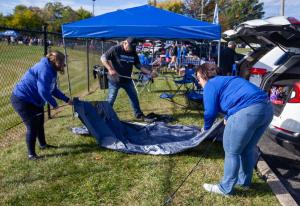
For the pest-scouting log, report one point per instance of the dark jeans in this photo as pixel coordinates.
(113, 88)
(33, 118)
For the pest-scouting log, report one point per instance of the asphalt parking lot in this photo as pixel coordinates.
(284, 164)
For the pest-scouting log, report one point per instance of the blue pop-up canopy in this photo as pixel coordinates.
(144, 22)
(10, 33)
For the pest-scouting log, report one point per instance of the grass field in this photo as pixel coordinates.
(81, 173)
(15, 61)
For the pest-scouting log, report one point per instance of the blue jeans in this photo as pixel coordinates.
(33, 118)
(242, 132)
(128, 86)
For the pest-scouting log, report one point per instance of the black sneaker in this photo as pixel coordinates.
(140, 116)
(33, 157)
(48, 146)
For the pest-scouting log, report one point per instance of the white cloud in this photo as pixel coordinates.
(104, 9)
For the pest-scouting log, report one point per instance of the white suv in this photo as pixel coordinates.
(275, 67)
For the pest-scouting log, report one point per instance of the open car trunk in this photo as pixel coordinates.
(283, 32)
(281, 93)
(281, 82)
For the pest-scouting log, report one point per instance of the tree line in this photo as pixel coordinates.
(231, 13)
(33, 18)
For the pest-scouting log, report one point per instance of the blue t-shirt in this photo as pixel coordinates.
(228, 95)
(39, 84)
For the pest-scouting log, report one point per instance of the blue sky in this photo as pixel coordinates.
(272, 7)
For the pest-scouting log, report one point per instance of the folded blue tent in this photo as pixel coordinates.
(156, 138)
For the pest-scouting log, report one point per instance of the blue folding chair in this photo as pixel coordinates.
(186, 80)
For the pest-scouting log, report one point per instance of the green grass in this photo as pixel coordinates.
(15, 61)
(81, 173)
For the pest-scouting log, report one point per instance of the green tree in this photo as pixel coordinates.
(24, 18)
(3, 20)
(176, 6)
(20, 9)
(244, 10)
(231, 12)
(83, 14)
(57, 14)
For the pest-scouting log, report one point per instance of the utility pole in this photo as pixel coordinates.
(282, 7)
(201, 10)
(94, 7)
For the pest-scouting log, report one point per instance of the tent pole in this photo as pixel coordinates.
(209, 51)
(219, 51)
(152, 60)
(67, 65)
(87, 66)
(68, 74)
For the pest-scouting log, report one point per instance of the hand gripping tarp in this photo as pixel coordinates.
(156, 138)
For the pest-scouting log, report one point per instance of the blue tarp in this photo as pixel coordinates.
(155, 138)
(143, 22)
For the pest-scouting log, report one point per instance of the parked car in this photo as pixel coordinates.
(275, 67)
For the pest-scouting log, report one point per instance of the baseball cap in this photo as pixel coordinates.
(132, 42)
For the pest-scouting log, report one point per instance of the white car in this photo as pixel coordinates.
(275, 67)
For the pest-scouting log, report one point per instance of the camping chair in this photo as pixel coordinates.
(144, 81)
(187, 79)
(194, 96)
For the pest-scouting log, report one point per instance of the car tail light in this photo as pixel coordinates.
(284, 130)
(258, 71)
(293, 20)
(296, 98)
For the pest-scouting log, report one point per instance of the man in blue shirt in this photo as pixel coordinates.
(38, 86)
(247, 114)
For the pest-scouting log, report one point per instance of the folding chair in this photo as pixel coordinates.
(187, 79)
(143, 80)
(194, 97)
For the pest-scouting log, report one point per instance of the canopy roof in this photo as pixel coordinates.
(143, 22)
(10, 33)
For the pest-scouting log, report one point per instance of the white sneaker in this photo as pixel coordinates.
(213, 188)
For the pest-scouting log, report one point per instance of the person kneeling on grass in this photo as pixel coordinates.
(248, 113)
(29, 96)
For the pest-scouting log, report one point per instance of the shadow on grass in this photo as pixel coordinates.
(57, 116)
(204, 150)
(180, 92)
(76, 149)
(188, 113)
(207, 149)
(256, 189)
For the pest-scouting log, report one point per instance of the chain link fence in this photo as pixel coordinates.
(21, 49)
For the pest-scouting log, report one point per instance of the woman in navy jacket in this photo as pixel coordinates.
(38, 86)
(247, 114)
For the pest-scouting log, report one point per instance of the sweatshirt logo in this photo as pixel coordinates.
(127, 59)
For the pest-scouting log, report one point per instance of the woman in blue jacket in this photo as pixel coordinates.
(247, 115)
(38, 86)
